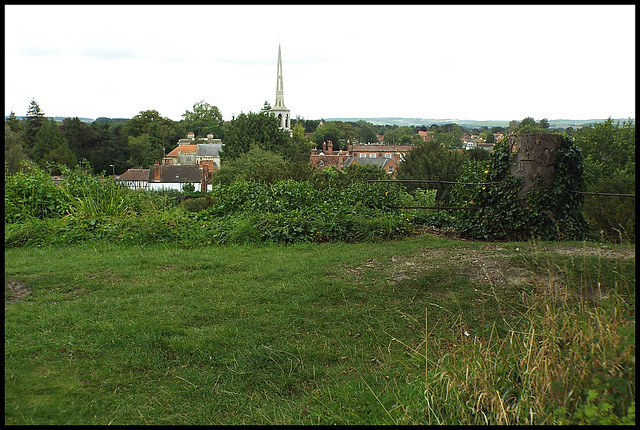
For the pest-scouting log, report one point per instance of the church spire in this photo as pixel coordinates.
(279, 110)
(279, 88)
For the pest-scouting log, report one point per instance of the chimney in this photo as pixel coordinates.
(204, 179)
(157, 171)
(330, 146)
(210, 136)
(191, 135)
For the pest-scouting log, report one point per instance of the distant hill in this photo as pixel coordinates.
(57, 118)
(467, 123)
(554, 123)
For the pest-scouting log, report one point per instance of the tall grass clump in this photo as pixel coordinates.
(564, 353)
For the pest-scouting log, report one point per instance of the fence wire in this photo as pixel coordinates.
(431, 181)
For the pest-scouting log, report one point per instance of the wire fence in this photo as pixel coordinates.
(431, 181)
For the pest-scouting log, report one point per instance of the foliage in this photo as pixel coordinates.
(301, 146)
(30, 193)
(338, 132)
(529, 125)
(144, 151)
(150, 130)
(364, 132)
(431, 161)
(14, 155)
(204, 119)
(550, 212)
(259, 129)
(256, 164)
(609, 159)
(32, 123)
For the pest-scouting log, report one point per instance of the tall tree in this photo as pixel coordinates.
(110, 147)
(33, 121)
(144, 151)
(329, 131)
(204, 119)
(260, 129)
(47, 138)
(364, 132)
(301, 145)
(79, 135)
(431, 161)
(162, 132)
(14, 123)
(608, 151)
(51, 148)
(256, 164)
(14, 154)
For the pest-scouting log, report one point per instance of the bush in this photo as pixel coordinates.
(32, 194)
(551, 212)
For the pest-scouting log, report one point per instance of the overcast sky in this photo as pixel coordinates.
(485, 62)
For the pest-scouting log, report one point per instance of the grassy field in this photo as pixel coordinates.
(425, 330)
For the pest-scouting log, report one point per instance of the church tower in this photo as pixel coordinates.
(279, 110)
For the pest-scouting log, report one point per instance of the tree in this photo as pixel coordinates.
(47, 138)
(144, 151)
(141, 123)
(256, 164)
(488, 136)
(162, 132)
(302, 146)
(529, 125)
(431, 161)
(328, 131)
(14, 123)
(79, 136)
(260, 129)
(34, 120)
(608, 152)
(109, 146)
(60, 155)
(399, 135)
(447, 140)
(478, 154)
(364, 132)
(204, 119)
(14, 156)
(544, 123)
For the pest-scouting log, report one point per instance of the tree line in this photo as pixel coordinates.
(256, 149)
(114, 145)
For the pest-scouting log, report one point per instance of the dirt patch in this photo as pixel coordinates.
(16, 291)
(488, 265)
(491, 264)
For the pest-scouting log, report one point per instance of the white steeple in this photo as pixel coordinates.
(279, 110)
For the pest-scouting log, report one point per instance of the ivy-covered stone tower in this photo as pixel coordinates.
(279, 110)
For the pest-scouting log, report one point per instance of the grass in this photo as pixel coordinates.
(398, 332)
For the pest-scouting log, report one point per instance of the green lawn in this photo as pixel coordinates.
(301, 334)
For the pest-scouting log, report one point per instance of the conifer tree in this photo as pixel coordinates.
(33, 122)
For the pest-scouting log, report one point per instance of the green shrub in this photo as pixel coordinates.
(32, 194)
(550, 212)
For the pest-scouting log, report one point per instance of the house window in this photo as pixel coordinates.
(363, 155)
(391, 170)
(387, 155)
(372, 155)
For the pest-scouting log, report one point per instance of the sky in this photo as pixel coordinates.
(467, 62)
